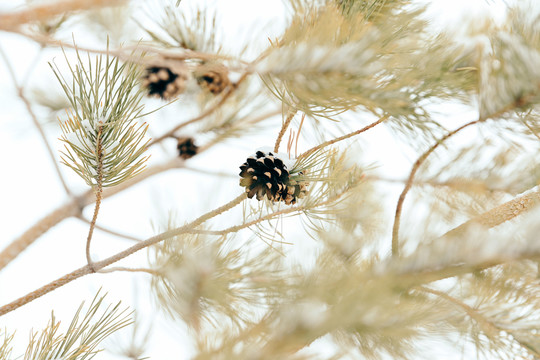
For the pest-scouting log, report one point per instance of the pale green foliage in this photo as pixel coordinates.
(508, 58)
(101, 135)
(80, 340)
(189, 28)
(328, 62)
(5, 347)
(206, 281)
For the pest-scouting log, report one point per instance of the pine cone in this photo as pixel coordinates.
(214, 80)
(186, 148)
(294, 190)
(265, 174)
(164, 82)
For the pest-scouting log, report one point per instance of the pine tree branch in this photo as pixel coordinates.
(499, 214)
(344, 137)
(99, 194)
(490, 329)
(22, 96)
(284, 127)
(188, 228)
(74, 208)
(409, 183)
(43, 12)
(397, 217)
(85, 270)
(487, 326)
(108, 231)
(119, 268)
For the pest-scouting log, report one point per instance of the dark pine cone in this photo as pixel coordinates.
(263, 175)
(294, 190)
(164, 83)
(215, 80)
(186, 148)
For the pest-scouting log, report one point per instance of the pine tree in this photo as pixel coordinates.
(279, 229)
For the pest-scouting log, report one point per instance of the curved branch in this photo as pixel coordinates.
(409, 183)
(333, 141)
(74, 208)
(96, 266)
(284, 127)
(489, 328)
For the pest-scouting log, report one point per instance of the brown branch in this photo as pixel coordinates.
(10, 21)
(73, 208)
(188, 228)
(333, 141)
(499, 214)
(284, 127)
(85, 270)
(409, 183)
(143, 270)
(108, 231)
(98, 190)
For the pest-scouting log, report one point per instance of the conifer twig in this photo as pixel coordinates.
(500, 214)
(98, 192)
(344, 137)
(108, 231)
(96, 266)
(119, 268)
(489, 328)
(409, 183)
(284, 127)
(188, 228)
(22, 96)
(74, 208)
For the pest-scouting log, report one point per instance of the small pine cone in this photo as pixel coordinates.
(263, 174)
(164, 82)
(292, 192)
(214, 80)
(186, 148)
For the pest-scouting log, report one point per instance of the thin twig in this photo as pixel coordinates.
(423, 157)
(409, 183)
(284, 127)
(228, 92)
(119, 268)
(289, 210)
(20, 93)
(333, 141)
(188, 228)
(74, 208)
(98, 190)
(85, 270)
(489, 328)
(108, 231)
